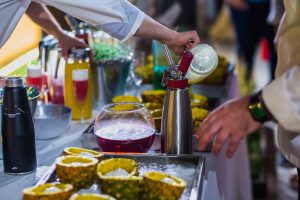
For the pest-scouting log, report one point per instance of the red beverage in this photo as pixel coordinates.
(80, 90)
(125, 136)
(58, 92)
(35, 82)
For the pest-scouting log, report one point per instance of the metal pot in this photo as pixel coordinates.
(109, 80)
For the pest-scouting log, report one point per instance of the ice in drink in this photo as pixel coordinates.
(125, 136)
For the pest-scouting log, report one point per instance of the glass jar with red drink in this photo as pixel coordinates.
(124, 127)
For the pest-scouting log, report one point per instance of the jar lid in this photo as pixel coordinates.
(205, 61)
(177, 84)
(34, 71)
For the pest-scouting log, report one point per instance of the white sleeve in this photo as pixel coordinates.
(10, 15)
(276, 12)
(119, 18)
(282, 98)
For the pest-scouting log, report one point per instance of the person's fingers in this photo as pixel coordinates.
(212, 118)
(219, 141)
(81, 43)
(209, 121)
(64, 52)
(196, 38)
(207, 134)
(234, 142)
(189, 46)
(205, 125)
(192, 39)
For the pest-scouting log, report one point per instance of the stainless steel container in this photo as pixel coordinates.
(177, 128)
(109, 80)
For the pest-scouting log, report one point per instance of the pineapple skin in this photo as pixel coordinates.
(29, 194)
(154, 190)
(60, 196)
(122, 189)
(79, 177)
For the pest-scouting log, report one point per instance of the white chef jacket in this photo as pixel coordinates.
(118, 18)
(282, 96)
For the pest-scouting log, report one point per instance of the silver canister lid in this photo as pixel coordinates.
(14, 82)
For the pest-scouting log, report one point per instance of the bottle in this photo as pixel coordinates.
(203, 64)
(78, 59)
(18, 136)
(176, 127)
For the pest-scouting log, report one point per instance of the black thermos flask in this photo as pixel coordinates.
(19, 154)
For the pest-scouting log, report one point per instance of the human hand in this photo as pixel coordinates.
(230, 122)
(67, 42)
(183, 41)
(238, 4)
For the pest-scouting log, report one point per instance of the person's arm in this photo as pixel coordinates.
(282, 97)
(122, 20)
(177, 41)
(233, 121)
(42, 16)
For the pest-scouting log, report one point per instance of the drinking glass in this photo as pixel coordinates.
(57, 90)
(80, 88)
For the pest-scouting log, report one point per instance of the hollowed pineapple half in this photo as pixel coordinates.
(91, 196)
(154, 96)
(48, 191)
(83, 152)
(126, 98)
(199, 101)
(161, 186)
(118, 178)
(80, 171)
